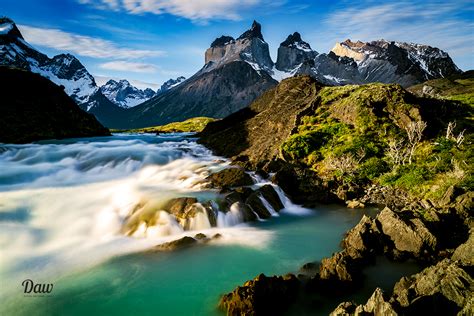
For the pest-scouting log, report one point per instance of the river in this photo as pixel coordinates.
(63, 205)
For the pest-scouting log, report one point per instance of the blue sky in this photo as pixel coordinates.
(150, 41)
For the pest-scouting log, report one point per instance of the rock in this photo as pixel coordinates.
(363, 240)
(229, 178)
(442, 289)
(178, 206)
(262, 296)
(464, 205)
(376, 305)
(447, 197)
(340, 267)
(217, 236)
(410, 236)
(176, 244)
(465, 252)
(200, 236)
(268, 193)
(355, 204)
(211, 212)
(238, 195)
(246, 211)
(256, 204)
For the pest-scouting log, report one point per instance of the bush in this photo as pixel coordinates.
(372, 168)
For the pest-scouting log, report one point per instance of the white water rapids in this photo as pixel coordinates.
(63, 204)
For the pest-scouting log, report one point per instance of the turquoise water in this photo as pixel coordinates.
(61, 206)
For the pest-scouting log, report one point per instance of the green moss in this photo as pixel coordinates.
(195, 124)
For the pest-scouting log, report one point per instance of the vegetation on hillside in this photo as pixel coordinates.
(195, 124)
(383, 134)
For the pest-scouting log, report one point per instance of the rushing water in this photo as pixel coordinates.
(62, 209)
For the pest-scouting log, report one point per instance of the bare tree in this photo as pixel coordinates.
(450, 134)
(415, 133)
(346, 164)
(397, 151)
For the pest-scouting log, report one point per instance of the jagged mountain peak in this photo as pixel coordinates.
(222, 41)
(254, 32)
(9, 28)
(171, 83)
(124, 94)
(294, 41)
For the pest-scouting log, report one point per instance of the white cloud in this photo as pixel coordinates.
(194, 10)
(435, 24)
(120, 65)
(80, 44)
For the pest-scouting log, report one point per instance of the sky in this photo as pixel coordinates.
(150, 41)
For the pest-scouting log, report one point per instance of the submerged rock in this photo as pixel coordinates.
(262, 296)
(229, 178)
(176, 244)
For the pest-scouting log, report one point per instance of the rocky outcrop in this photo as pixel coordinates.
(377, 305)
(229, 178)
(465, 252)
(45, 112)
(363, 240)
(408, 236)
(262, 296)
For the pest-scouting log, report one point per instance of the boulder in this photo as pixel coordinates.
(178, 206)
(340, 268)
(442, 289)
(408, 236)
(377, 305)
(262, 296)
(363, 240)
(247, 213)
(268, 193)
(230, 178)
(465, 252)
(355, 204)
(175, 244)
(256, 204)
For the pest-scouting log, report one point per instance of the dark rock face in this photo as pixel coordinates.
(63, 69)
(254, 32)
(363, 240)
(214, 93)
(261, 296)
(293, 52)
(230, 177)
(45, 112)
(222, 41)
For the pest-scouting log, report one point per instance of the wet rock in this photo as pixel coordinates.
(262, 296)
(268, 193)
(200, 236)
(176, 244)
(256, 204)
(238, 195)
(377, 305)
(355, 204)
(217, 236)
(211, 211)
(465, 252)
(178, 206)
(363, 240)
(229, 178)
(408, 236)
(246, 211)
(442, 289)
(340, 268)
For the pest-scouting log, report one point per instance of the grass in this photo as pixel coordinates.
(195, 124)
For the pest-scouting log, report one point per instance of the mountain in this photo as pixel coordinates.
(171, 84)
(123, 94)
(358, 62)
(45, 112)
(235, 73)
(63, 69)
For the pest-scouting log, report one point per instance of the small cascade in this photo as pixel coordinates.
(290, 207)
(268, 206)
(232, 218)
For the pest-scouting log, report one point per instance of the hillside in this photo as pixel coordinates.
(343, 139)
(195, 124)
(44, 112)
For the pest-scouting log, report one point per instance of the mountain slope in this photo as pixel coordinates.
(44, 112)
(64, 69)
(236, 72)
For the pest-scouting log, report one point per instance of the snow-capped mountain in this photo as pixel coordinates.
(358, 62)
(63, 69)
(171, 84)
(124, 94)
